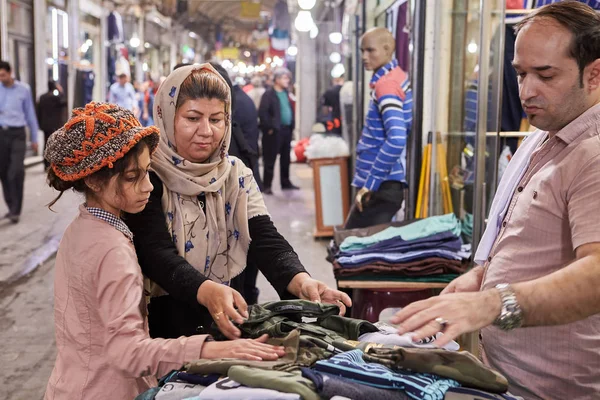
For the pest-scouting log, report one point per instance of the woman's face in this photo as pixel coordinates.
(200, 125)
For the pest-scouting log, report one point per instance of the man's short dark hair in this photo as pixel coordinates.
(5, 66)
(581, 20)
(123, 75)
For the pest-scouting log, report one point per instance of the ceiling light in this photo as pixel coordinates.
(292, 51)
(193, 35)
(268, 60)
(335, 37)
(247, 54)
(472, 47)
(338, 70)
(304, 21)
(335, 57)
(134, 41)
(89, 42)
(306, 4)
(147, 45)
(314, 31)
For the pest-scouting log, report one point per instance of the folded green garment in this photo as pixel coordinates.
(287, 382)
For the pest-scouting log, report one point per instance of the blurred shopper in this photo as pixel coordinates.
(331, 109)
(245, 115)
(122, 93)
(17, 109)
(277, 125)
(380, 173)
(146, 103)
(534, 296)
(258, 89)
(52, 111)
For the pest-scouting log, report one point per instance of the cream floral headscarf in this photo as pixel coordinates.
(214, 240)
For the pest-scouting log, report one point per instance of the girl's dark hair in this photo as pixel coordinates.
(102, 176)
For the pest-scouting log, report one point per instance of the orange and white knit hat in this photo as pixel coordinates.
(96, 136)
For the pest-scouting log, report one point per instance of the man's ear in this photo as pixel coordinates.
(591, 75)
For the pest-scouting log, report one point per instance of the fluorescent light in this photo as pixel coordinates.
(304, 21)
(306, 4)
(335, 57)
(147, 45)
(145, 67)
(336, 37)
(292, 51)
(193, 35)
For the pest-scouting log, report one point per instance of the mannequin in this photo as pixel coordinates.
(381, 150)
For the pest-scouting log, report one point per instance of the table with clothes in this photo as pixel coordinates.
(328, 356)
(425, 250)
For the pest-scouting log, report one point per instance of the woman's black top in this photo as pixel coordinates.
(179, 313)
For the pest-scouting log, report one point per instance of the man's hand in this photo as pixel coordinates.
(307, 288)
(363, 194)
(224, 304)
(35, 148)
(460, 312)
(469, 282)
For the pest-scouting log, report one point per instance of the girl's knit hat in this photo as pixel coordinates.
(95, 137)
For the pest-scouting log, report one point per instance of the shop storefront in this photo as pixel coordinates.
(19, 39)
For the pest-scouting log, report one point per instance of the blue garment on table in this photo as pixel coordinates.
(479, 394)
(396, 258)
(204, 380)
(350, 365)
(444, 241)
(417, 230)
(17, 109)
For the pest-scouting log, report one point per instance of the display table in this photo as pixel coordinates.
(332, 193)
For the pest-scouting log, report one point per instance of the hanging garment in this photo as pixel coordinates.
(281, 16)
(115, 27)
(351, 365)
(403, 38)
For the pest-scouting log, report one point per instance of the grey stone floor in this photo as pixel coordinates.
(27, 348)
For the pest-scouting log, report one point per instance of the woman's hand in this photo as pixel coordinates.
(222, 301)
(245, 349)
(307, 288)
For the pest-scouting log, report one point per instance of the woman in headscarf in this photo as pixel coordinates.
(206, 217)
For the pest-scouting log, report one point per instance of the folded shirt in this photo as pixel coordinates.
(428, 266)
(417, 230)
(389, 335)
(445, 240)
(229, 389)
(351, 365)
(363, 259)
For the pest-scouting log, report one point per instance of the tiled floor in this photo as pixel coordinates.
(293, 213)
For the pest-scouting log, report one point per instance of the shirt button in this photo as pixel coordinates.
(504, 224)
(489, 259)
(520, 189)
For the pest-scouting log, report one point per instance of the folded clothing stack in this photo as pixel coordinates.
(427, 247)
(326, 356)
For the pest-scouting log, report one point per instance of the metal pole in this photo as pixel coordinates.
(482, 109)
(4, 29)
(434, 106)
(415, 139)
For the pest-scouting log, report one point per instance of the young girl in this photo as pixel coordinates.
(104, 350)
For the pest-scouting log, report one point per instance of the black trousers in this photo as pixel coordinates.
(277, 143)
(12, 168)
(380, 208)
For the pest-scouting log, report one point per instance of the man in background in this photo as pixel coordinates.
(331, 108)
(52, 111)
(277, 125)
(16, 111)
(122, 93)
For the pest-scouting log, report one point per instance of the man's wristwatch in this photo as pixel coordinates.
(511, 316)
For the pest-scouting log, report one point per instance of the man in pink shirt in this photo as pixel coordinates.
(541, 268)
